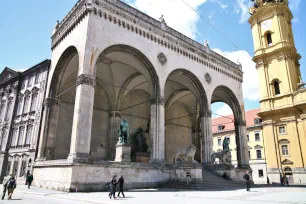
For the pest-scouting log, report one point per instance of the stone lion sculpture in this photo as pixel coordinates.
(224, 157)
(186, 154)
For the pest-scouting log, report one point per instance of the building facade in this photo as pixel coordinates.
(21, 109)
(111, 61)
(282, 92)
(223, 127)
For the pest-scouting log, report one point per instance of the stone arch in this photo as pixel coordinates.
(60, 105)
(226, 95)
(185, 107)
(199, 89)
(60, 69)
(152, 74)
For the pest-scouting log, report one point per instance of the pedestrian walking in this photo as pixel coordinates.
(29, 180)
(247, 179)
(11, 185)
(287, 180)
(5, 180)
(281, 179)
(121, 182)
(188, 177)
(113, 185)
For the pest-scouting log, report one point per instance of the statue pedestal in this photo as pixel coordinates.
(123, 153)
(141, 157)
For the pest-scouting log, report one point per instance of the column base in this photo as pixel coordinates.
(123, 153)
(78, 158)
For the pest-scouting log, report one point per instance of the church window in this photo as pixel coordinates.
(258, 154)
(285, 150)
(28, 135)
(8, 110)
(257, 121)
(260, 173)
(34, 101)
(26, 104)
(220, 127)
(20, 137)
(282, 130)
(257, 137)
(13, 142)
(269, 39)
(276, 87)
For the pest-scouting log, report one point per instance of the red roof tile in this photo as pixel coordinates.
(229, 123)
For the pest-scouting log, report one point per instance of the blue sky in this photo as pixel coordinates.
(26, 27)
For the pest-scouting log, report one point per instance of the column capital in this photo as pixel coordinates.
(51, 101)
(158, 101)
(240, 123)
(86, 79)
(115, 114)
(205, 114)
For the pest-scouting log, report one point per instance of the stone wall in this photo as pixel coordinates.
(62, 176)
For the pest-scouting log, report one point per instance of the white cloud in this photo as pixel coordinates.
(222, 5)
(242, 8)
(250, 77)
(294, 4)
(176, 13)
(211, 15)
(223, 110)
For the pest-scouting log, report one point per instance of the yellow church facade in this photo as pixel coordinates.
(282, 92)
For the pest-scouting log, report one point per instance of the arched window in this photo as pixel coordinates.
(28, 135)
(34, 101)
(276, 87)
(269, 39)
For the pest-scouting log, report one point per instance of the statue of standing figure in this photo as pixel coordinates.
(226, 144)
(123, 132)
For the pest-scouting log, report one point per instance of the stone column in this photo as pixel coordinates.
(207, 138)
(82, 119)
(242, 144)
(114, 120)
(157, 131)
(49, 128)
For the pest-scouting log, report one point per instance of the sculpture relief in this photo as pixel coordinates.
(123, 132)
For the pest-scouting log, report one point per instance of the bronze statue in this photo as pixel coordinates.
(226, 144)
(139, 141)
(123, 132)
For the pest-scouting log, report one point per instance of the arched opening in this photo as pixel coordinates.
(126, 83)
(61, 117)
(276, 87)
(185, 98)
(269, 39)
(226, 123)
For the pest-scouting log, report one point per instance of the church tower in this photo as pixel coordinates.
(282, 92)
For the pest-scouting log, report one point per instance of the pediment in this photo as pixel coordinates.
(287, 161)
(7, 74)
(283, 141)
(258, 147)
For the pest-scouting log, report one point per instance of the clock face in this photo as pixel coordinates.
(266, 25)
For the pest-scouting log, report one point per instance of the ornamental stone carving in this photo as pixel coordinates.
(207, 78)
(51, 101)
(162, 58)
(86, 79)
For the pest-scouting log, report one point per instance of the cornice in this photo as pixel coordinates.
(168, 37)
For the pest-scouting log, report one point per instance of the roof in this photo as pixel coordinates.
(229, 124)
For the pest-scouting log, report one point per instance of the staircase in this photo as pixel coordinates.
(211, 182)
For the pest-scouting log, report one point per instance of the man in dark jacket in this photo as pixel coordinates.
(113, 185)
(247, 179)
(29, 180)
(11, 185)
(121, 182)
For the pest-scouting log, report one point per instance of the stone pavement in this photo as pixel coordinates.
(266, 195)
